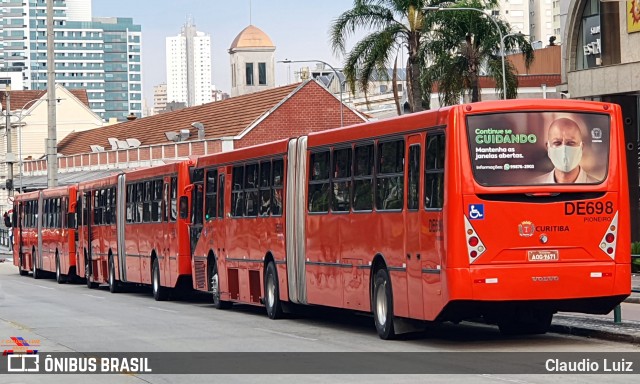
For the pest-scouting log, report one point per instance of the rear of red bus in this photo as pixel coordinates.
(542, 223)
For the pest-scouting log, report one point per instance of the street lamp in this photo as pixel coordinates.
(19, 127)
(504, 77)
(287, 61)
(9, 159)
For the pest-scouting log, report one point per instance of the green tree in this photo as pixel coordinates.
(394, 25)
(462, 44)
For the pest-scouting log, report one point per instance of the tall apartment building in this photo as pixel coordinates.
(101, 55)
(159, 98)
(189, 67)
(534, 18)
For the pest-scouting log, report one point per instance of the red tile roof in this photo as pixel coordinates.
(222, 118)
(20, 98)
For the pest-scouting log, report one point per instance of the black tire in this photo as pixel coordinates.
(382, 305)
(214, 288)
(60, 278)
(36, 271)
(114, 285)
(529, 322)
(160, 293)
(87, 275)
(272, 293)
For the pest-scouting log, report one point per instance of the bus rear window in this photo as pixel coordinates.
(527, 148)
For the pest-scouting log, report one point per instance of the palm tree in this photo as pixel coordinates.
(463, 43)
(395, 25)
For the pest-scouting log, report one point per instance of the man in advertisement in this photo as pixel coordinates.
(564, 148)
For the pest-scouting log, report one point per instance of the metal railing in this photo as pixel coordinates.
(4, 238)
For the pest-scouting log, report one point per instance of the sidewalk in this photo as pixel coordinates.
(598, 327)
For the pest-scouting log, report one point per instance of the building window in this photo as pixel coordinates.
(262, 73)
(249, 73)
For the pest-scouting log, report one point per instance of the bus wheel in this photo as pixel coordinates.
(383, 305)
(87, 275)
(215, 288)
(59, 277)
(526, 322)
(36, 272)
(114, 285)
(160, 293)
(23, 272)
(272, 293)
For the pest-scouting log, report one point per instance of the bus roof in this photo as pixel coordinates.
(257, 151)
(58, 191)
(157, 170)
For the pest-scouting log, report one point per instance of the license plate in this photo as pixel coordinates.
(543, 255)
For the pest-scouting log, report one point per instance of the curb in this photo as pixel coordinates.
(634, 300)
(596, 334)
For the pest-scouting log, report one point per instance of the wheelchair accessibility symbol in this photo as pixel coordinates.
(476, 211)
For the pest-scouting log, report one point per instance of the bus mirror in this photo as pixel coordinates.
(71, 220)
(184, 207)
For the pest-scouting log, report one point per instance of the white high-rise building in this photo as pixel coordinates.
(534, 18)
(189, 67)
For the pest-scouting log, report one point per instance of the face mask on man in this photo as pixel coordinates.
(565, 158)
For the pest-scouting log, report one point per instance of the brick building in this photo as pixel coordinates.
(238, 122)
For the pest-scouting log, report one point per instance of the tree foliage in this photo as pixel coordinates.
(449, 48)
(466, 44)
(394, 25)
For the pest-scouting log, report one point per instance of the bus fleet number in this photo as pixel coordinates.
(588, 208)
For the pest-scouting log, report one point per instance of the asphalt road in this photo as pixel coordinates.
(72, 318)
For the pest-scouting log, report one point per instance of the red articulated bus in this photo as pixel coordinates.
(130, 231)
(97, 233)
(237, 222)
(45, 232)
(25, 232)
(509, 210)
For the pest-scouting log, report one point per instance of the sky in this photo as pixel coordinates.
(298, 28)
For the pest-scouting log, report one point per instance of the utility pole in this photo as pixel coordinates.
(9, 159)
(51, 141)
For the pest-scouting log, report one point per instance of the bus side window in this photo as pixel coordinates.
(237, 192)
(413, 189)
(211, 195)
(265, 188)
(277, 184)
(174, 198)
(319, 166)
(221, 188)
(434, 172)
(341, 180)
(390, 176)
(251, 190)
(363, 178)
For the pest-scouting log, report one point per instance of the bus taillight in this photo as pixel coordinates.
(475, 247)
(608, 243)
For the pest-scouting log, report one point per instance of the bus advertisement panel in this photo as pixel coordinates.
(539, 148)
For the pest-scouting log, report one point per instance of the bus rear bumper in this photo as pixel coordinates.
(576, 287)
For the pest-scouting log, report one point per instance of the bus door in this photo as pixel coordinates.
(18, 222)
(197, 204)
(170, 247)
(87, 206)
(412, 227)
(432, 235)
